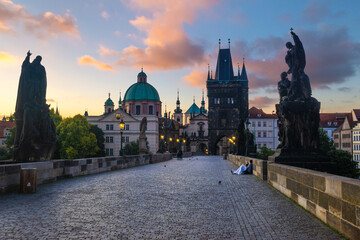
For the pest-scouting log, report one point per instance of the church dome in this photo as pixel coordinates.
(141, 91)
(109, 102)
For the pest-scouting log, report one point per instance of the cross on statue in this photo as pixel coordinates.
(291, 29)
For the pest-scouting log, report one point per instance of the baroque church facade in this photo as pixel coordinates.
(140, 100)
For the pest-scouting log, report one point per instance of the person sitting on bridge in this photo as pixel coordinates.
(244, 169)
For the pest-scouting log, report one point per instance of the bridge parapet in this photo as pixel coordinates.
(333, 199)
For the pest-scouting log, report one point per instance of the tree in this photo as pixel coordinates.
(99, 134)
(264, 153)
(4, 153)
(132, 148)
(56, 118)
(325, 143)
(10, 140)
(344, 164)
(75, 138)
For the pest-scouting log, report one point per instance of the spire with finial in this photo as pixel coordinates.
(57, 110)
(178, 109)
(194, 99)
(120, 100)
(165, 112)
(208, 77)
(202, 108)
(229, 42)
(238, 70)
(141, 77)
(219, 43)
(211, 74)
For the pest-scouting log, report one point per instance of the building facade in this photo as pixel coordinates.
(264, 127)
(227, 99)
(356, 143)
(5, 131)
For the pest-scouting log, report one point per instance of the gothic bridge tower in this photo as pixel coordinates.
(227, 98)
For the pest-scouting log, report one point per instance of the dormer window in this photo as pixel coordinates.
(335, 123)
(329, 124)
(259, 115)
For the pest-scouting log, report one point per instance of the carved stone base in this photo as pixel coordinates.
(309, 160)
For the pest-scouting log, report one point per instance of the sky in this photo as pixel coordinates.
(91, 48)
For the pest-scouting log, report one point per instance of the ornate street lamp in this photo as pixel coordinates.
(170, 144)
(121, 127)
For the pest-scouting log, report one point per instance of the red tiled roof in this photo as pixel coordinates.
(332, 119)
(259, 113)
(5, 125)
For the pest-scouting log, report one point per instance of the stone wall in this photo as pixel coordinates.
(333, 199)
(54, 170)
(259, 166)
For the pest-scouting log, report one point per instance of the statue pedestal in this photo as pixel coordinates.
(299, 134)
(142, 145)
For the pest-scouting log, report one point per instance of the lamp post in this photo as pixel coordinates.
(170, 144)
(246, 137)
(162, 143)
(121, 127)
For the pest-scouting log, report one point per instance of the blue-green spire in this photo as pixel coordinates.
(243, 76)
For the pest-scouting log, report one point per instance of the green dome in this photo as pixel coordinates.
(109, 102)
(141, 91)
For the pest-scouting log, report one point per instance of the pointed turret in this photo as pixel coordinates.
(178, 109)
(238, 71)
(208, 77)
(243, 76)
(57, 110)
(224, 69)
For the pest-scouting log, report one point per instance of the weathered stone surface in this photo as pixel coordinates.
(351, 231)
(311, 207)
(333, 220)
(335, 206)
(348, 212)
(319, 183)
(314, 195)
(351, 191)
(323, 200)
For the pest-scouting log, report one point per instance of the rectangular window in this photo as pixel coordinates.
(111, 139)
(259, 124)
(107, 139)
(127, 139)
(232, 100)
(111, 127)
(346, 145)
(215, 101)
(107, 152)
(264, 124)
(336, 136)
(336, 145)
(253, 124)
(107, 127)
(111, 153)
(123, 139)
(259, 134)
(264, 134)
(151, 110)
(137, 111)
(265, 145)
(127, 127)
(228, 100)
(346, 136)
(218, 101)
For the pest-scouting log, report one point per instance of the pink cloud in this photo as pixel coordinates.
(87, 60)
(105, 15)
(262, 102)
(41, 26)
(167, 46)
(196, 78)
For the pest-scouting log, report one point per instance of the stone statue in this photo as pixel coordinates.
(142, 138)
(298, 112)
(35, 137)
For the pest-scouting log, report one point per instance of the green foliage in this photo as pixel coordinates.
(10, 140)
(325, 143)
(99, 134)
(4, 153)
(56, 118)
(11, 118)
(132, 148)
(264, 153)
(344, 165)
(75, 138)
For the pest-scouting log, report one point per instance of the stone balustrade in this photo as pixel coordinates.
(259, 166)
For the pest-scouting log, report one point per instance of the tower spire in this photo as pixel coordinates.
(238, 70)
(229, 42)
(243, 76)
(219, 43)
(194, 99)
(208, 77)
(120, 100)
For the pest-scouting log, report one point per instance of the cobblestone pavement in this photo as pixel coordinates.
(170, 200)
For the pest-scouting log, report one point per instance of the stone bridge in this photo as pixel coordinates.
(193, 198)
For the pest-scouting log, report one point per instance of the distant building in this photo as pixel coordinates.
(5, 130)
(193, 126)
(140, 100)
(331, 121)
(343, 135)
(356, 143)
(228, 101)
(264, 127)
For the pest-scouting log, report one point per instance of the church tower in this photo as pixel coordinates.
(227, 99)
(178, 116)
